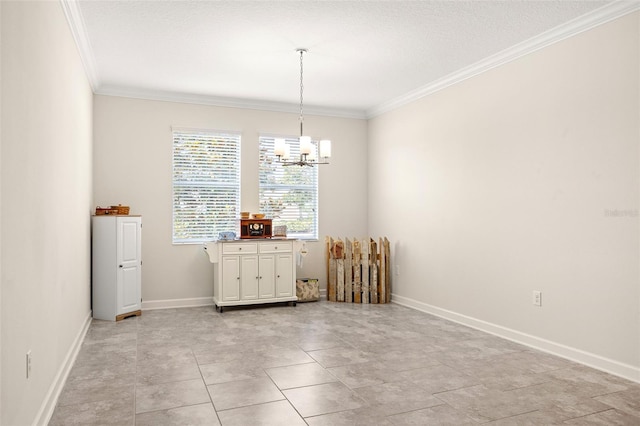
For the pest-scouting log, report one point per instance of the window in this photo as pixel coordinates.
(206, 185)
(289, 194)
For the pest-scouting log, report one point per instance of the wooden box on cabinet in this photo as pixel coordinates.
(116, 259)
(252, 272)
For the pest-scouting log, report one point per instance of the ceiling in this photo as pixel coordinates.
(363, 56)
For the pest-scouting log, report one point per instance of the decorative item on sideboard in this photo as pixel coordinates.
(113, 210)
(255, 228)
(280, 231)
(227, 236)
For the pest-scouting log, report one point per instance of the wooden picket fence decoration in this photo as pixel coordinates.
(358, 270)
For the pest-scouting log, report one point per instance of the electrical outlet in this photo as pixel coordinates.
(537, 298)
(397, 269)
(28, 360)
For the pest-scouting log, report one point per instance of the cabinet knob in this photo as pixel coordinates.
(278, 276)
(276, 247)
(119, 266)
(238, 278)
(239, 248)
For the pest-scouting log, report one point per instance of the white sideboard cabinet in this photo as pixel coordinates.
(116, 259)
(251, 272)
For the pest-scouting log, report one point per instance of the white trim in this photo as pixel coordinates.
(608, 365)
(193, 302)
(79, 33)
(191, 98)
(586, 22)
(49, 404)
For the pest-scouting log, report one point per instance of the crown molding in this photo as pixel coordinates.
(586, 22)
(590, 20)
(79, 33)
(190, 98)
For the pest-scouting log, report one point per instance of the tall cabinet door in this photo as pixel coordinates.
(266, 285)
(285, 281)
(249, 277)
(129, 259)
(230, 278)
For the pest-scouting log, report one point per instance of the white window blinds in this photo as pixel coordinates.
(206, 185)
(289, 194)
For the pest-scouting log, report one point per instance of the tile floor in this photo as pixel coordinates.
(326, 363)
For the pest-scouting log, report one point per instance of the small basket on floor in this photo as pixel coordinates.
(307, 290)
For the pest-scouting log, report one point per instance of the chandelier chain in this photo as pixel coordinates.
(301, 92)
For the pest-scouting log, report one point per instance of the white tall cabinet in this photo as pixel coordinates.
(251, 272)
(116, 274)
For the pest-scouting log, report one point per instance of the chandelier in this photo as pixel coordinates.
(307, 147)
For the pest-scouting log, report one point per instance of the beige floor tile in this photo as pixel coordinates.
(442, 415)
(360, 375)
(627, 401)
(335, 357)
(611, 417)
(295, 376)
(336, 364)
(105, 412)
(90, 390)
(222, 372)
(170, 395)
(192, 415)
(243, 392)
(397, 397)
(323, 399)
(278, 413)
(358, 417)
(171, 371)
(483, 404)
(280, 357)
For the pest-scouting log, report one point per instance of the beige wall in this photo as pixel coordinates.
(523, 178)
(132, 166)
(46, 200)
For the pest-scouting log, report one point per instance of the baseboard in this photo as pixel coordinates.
(176, 303)
(48, 406)
(607, 365)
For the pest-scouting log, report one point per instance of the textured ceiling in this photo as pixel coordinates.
(361, 54)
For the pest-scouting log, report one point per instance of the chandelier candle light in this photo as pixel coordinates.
(307, 151)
